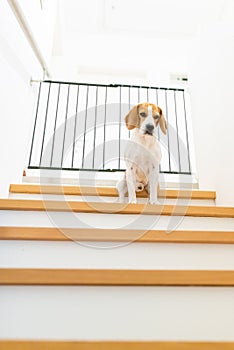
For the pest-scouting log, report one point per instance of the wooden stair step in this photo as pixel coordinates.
(106, 191)
(117, 235)
(114, 277)
(113, 345)
(117, 208)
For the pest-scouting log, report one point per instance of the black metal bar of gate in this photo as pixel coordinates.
(80, 126)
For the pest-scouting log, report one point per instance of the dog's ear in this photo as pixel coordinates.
(162, 122)
(132, 119)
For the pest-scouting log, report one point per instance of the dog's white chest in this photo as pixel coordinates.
(140, 154)
(143, 159)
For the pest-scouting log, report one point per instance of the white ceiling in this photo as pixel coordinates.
(160, 18)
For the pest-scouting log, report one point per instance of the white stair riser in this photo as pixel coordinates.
(99, 220)
(85, 198)
(106, 255)
(117, 313)
(103, 179)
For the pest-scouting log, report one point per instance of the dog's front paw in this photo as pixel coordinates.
(132, 201)
(154, 201)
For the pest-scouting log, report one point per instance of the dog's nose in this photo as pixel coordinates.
(149, 127)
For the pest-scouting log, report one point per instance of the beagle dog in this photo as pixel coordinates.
(142, 154)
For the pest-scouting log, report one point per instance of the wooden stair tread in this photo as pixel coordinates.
(114, 277)
(106, 191)
(118, 208)
(113, 345)
(117, 235)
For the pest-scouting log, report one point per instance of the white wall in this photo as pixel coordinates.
(128, 41)
(102, 46)
(116, 58)
(41, 16)
(18, 65)
(212, 99)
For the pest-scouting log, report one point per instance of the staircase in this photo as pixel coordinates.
(78, 270)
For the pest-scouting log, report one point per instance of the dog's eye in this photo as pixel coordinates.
(156, 116)
(143, 114)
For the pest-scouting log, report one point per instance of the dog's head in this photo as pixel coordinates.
(146, 117)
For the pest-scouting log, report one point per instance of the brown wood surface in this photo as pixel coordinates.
(117, 235)
(113, 277)
(112, 345)
(106, 191)
(118, 208)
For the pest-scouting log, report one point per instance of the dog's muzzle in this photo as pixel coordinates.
(149, 129)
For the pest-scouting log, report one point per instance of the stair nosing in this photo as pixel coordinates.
(117, 235)
(115, 277)
(113, 345)
(116, 208)
(107, 191)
